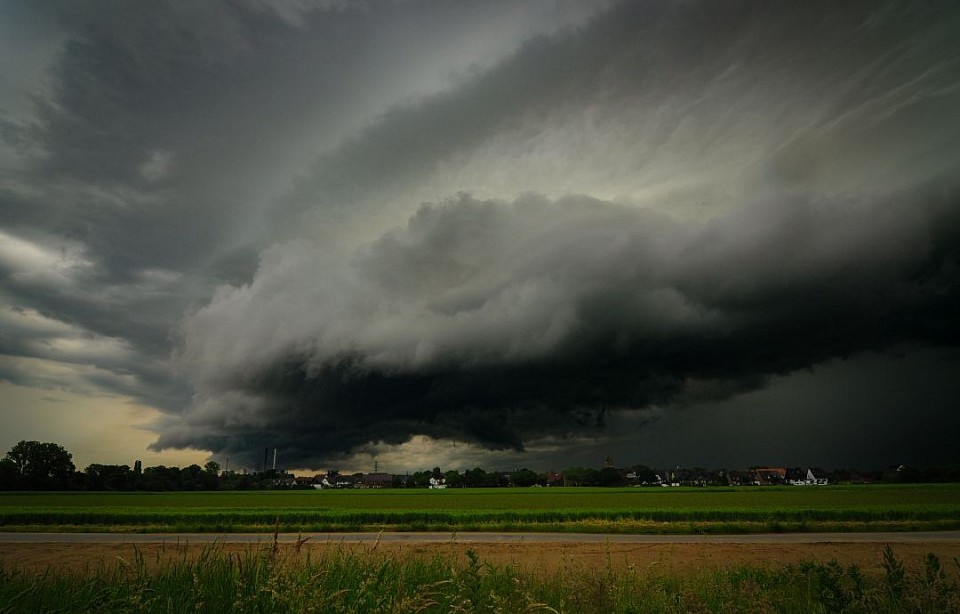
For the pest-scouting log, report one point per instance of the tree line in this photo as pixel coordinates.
(34, 465)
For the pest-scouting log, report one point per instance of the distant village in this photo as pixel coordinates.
(32, 465)
(639, 475)
(609, 475)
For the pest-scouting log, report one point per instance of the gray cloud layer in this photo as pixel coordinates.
(633, 205)
(141, 163)
(500, 322)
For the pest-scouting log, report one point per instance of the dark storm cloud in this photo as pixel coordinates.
(109, 170)
(902, 402)
(163, 131)
(765, 187)
(807, 96)
(159, 126)
(818, 142)
(502, 322)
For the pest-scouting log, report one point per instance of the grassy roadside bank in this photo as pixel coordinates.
(277, 578)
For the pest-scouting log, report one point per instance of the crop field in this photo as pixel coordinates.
(677, 510)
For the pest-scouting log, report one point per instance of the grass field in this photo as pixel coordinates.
(696, 510)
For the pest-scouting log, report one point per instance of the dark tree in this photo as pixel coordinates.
(419, 479)
(453, 478)
(581, 476)
(160, 478)
(41, 465)
(109, 477)
(524, 477)
(608, 476)
(190, 478)
(477, 477)
(9, 477)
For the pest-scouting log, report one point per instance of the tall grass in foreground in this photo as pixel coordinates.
(282, 580)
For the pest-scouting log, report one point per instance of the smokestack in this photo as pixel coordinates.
(274, 459)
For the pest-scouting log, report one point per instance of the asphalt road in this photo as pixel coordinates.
(466, 538)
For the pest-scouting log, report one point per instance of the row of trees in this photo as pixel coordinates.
(32, 465)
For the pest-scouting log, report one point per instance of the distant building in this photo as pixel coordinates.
(377, 480)
(763, 476)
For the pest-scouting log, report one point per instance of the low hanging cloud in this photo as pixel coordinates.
(500, 322)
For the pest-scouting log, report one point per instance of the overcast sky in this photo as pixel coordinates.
(488, 233)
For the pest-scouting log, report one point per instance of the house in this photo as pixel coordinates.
(554, 478)
(763, 476)
(797, 477)
(377, 480)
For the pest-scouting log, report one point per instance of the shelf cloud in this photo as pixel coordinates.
(499, 322)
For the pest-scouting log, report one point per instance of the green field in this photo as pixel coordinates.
(629, 510)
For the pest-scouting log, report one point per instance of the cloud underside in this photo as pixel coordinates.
(500, 322)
